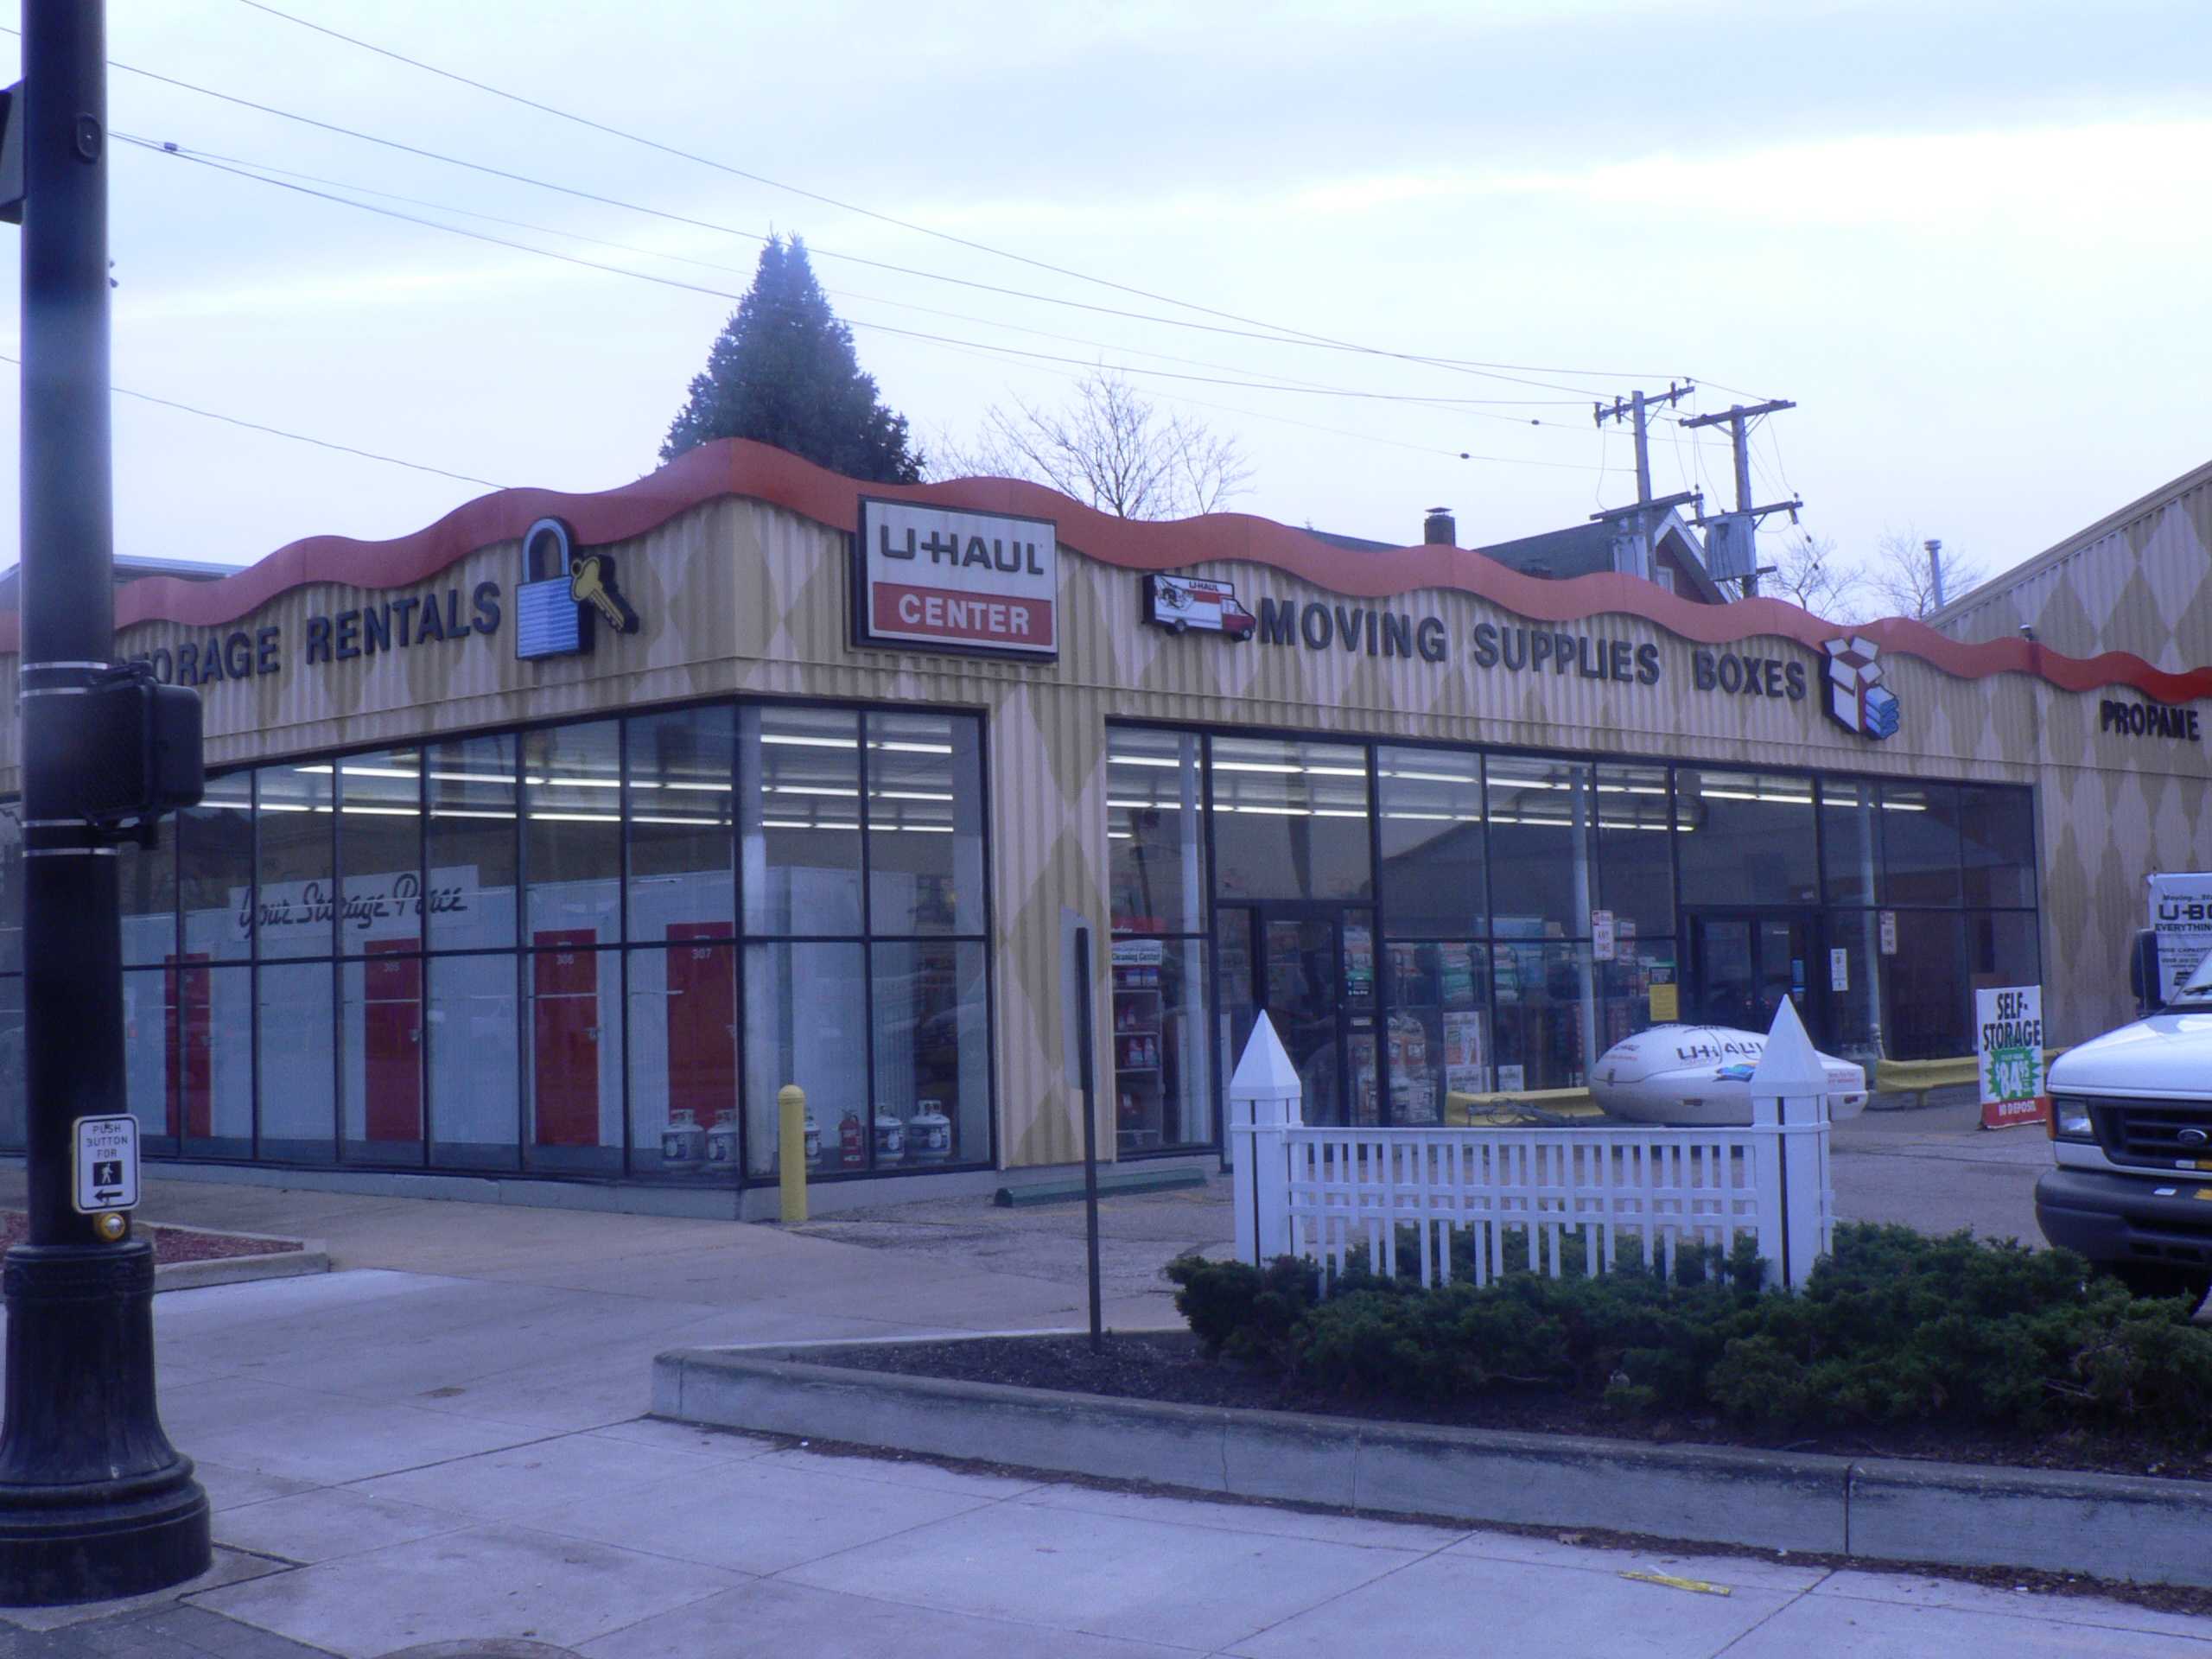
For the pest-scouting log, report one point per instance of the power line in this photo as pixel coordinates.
(1482, 370)
(279, 432)
(1459, 405)
(266, 173)
(868, 213)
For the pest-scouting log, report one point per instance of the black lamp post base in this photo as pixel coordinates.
(94, 1501)
(57, 1546)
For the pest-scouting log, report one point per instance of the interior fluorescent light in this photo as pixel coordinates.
(379, 811)
(809, 789)
(577, 817)
(906, 794)
(788, 740)
(1143, 761)
(1254, 766)
(910, 748)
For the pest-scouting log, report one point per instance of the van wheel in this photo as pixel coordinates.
(2160, 1279)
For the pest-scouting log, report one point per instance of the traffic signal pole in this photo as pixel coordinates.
(94, 1502)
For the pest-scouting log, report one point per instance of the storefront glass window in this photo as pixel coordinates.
(475, 1065)
(931, 1054)
(1746, 838)
(471, 845)
(925, 824)
(1929, 1011)
(1431, 829)
(295, 1076)
(683, 1047)
(1289, 819)
(1155, 840)
(1162, 1098)
(215, 1015)
(1920, 843)
(1635, 859)
(572, 836)
(806, 1023)
(1546, 1002)
(683, 768)
(382, 1029)
(380, 853)
(1851, 839)
(1999, 830)
(1438, 1028)
(572, 1058)
(11, 887)
(1854, 1007)
(297, 898)
(2002, 949)
(146, 881)
(13, 1124)
(800, 799)
(1541, 814)
(215, 871)
(150, 1035)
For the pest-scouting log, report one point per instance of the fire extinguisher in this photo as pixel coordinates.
(852, 1151)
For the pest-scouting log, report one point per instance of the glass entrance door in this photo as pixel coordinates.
(1311, 968)
(1742, 963)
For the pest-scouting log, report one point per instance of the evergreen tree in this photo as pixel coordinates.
(783, 371)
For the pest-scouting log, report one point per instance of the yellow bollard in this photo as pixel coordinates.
(791, 1149)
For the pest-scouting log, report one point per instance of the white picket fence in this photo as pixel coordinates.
(1521, 1194)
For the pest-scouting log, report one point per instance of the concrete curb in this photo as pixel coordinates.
(2104, 1526)
(310, 1257)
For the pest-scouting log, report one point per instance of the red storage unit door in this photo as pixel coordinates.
(391, 1017)
(701, 1020)
(564, 981)
(189, 1000)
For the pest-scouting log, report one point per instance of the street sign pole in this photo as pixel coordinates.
(94, 1502)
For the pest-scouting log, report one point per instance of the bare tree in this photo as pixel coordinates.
(1904, 575)
(1108, 446)
(1807, 573)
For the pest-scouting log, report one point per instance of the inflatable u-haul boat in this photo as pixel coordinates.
(1700, 1076)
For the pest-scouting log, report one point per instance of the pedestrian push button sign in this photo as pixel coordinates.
(107, 1164)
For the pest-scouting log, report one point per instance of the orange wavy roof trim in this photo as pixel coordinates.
(739, 467)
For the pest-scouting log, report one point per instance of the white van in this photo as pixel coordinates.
(2131, 1129)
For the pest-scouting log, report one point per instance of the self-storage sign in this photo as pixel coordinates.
(928, 579)
(2008, 1025)
(107, 1165)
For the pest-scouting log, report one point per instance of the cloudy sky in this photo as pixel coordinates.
(1968, 238)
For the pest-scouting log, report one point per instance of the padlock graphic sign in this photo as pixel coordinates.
(563, 593)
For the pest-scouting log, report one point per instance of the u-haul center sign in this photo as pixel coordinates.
(924, 578)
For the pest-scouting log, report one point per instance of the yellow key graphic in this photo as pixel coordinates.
(587, 586)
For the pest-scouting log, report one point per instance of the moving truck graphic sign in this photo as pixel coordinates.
(2180, 914)
(929, 579)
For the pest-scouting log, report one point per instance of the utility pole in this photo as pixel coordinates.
(1735, 531)
(94, 1502)
(1635, 410)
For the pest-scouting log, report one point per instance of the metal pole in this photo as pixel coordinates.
(94, 1502)
(1089, 1129)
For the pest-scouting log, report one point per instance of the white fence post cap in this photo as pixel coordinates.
(1792, 1065)
(1265, 1072)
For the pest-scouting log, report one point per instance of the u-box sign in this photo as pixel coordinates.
(929, 579)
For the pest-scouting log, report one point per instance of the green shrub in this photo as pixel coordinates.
(1893, 1327)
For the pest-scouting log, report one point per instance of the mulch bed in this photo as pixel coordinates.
(1170, 1368)
(171, 1244)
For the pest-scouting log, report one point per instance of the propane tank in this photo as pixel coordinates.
(813, 1145)
(721, 1140)
(683, 1143)
(929, 1134)
(890, 1140)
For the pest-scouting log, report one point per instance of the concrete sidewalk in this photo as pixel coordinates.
(443, 1442)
